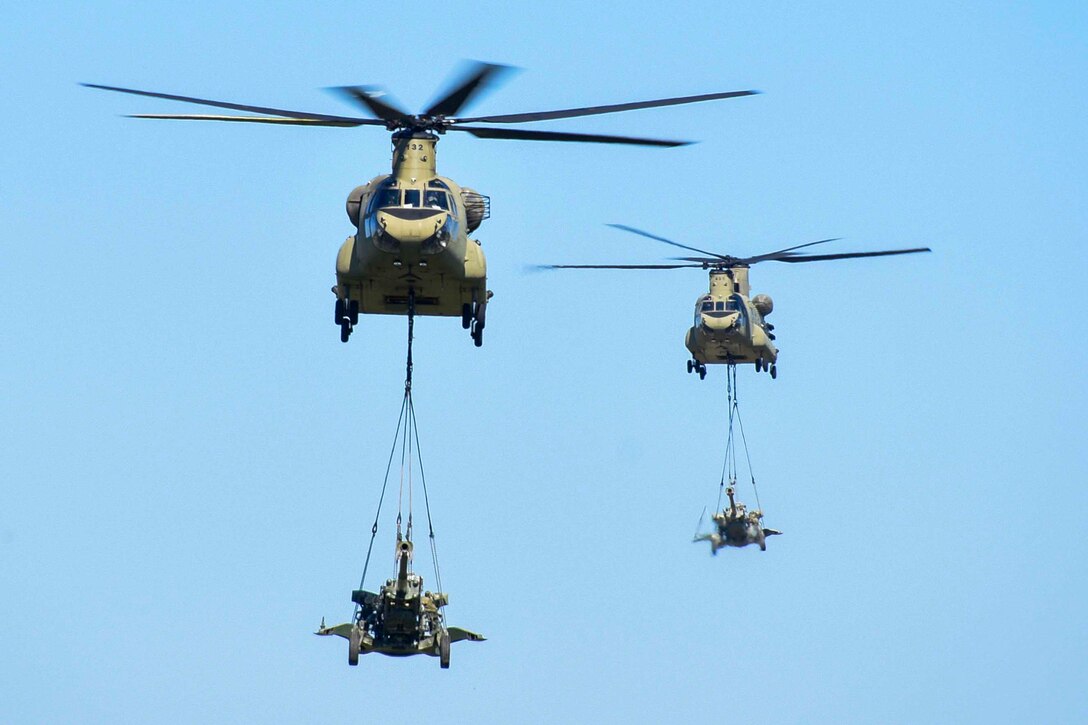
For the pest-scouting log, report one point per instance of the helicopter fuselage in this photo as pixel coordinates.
(412, 239)
(729, 327)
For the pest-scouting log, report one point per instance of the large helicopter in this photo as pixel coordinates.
(730, 326)
(411, 253)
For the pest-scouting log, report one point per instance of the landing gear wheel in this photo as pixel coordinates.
(444, 650)
(774, 372)
(759, 364)
(702, 372)
(345, 330)
(691, 366)
(338, 313)
(354, 641)
(353, 312)
(478, 335)
(466, 315)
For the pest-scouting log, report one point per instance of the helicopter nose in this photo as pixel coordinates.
(411, 225)
(720, 321)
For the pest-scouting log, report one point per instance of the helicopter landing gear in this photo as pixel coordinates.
(759, 364)
(346, 314)
(774, 372)
(466, 315)
(697, 367)
(477, 320)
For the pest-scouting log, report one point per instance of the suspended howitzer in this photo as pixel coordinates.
(400, 620)
(737, 527)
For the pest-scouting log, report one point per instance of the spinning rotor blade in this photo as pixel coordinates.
(717, 257)
(528, 135)
(846, 255)
(787, 250)
(617, 266)
(248, 119)
(241, 107)
(476, 79)
(370, 98)
(597, 110)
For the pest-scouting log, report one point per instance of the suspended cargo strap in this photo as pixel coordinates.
(729, 467)
(407, 439)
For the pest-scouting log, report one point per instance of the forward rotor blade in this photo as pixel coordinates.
(597, 110)
(370, 98)
(617, 266)
(626, 228)
(238, 106)
(846, 255)
(528, 135)
(475, 80)
(248, 119)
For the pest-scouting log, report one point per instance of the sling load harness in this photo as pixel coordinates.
(735, 526)
(406, 439)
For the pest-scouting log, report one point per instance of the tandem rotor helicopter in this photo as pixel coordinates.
(730, 325)
(411, 253)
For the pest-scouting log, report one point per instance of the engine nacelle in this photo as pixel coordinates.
(763, 304)
(354, 202)
(477, 207)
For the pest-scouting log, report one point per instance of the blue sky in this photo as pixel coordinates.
(191, 459)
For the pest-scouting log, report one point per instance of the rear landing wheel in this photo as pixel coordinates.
(478, 336)
(345, 330)
(338, 312)
(353, 312)
(466, 315)
(759, 364)
(353, 647)
(691, 367)
(702, 372)
(774, 372)
(444, 651)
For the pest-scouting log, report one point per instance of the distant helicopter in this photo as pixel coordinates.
(730, 326)
(411, 253)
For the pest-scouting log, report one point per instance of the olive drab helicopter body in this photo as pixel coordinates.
(412, 244)
(410, 256)
(730, 327)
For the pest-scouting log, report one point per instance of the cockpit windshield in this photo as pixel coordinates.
(436, 200)
(411, 197)
(386, 197)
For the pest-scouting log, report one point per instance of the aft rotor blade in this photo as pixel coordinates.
(528, 135)
(617, 266)
(597, 110)
(769, 255)
(370, 98)
(247, 119)
(846, 255)
(238, 106)
(624, 227)
(476, 79)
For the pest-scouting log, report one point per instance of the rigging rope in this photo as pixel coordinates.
(729, 466)
(407, 437)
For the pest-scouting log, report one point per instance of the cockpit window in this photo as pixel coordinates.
(387, 197)
(436, 200)
(719, 306)
(707, 306)
(437, 184)
(411, 197)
